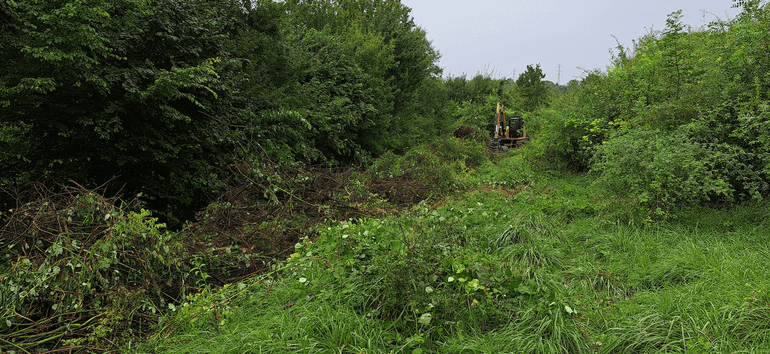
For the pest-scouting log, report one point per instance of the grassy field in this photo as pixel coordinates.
(525, 262)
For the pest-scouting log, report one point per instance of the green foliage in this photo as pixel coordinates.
(418, 276)
(472, 102)
(557, 140)
(157, 96)
(659, 170)
(712, 140)
(674, 51)
(444, 165)
(478, 114)
(532, 88)
(332, 99)
(335, 99)
(565, 133)
(84, 270)
(396, 63)
(737, 147)
(527, 262)
(676, 121)
(460, 89)
(127, 89)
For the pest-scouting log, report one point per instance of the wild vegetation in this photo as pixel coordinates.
(523, 262)
(243, 176)
(680, 119)
(160, 96)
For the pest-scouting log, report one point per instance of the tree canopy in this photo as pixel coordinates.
(159, 96)
(532, 88)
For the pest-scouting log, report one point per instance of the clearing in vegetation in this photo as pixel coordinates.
(523, 261)
(83, 272)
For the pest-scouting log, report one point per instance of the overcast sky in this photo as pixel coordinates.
(501, 37)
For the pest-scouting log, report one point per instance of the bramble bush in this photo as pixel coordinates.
(737, 146)
(721, 156)
(680, 119)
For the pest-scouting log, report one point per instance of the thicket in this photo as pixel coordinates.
(523, 262)
(160, 97)
(80, 271)
(679, 119)
(179, 102)
(416, 280)
(88, 273)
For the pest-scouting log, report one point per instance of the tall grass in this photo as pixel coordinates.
(522, 262)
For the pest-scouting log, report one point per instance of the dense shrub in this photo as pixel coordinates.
(679, 119)
(737, 147)
(130, 91)
(658, 169)
(159, 96)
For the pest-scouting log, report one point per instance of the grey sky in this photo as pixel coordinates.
(500, 37)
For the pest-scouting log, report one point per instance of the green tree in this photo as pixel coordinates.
(532, 88)
(379, 34)
(675, 49)
(129, 90)
(456, 88)
(336, 99)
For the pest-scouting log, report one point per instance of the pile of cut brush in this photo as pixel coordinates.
(80, 271)
(268, 208)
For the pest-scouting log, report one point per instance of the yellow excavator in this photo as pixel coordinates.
(506, 132)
